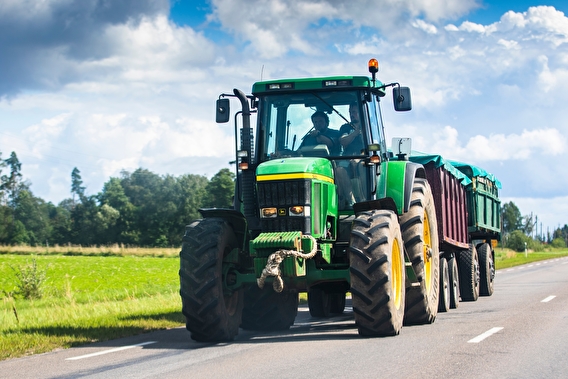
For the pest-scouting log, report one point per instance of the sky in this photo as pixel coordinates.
(107, 86)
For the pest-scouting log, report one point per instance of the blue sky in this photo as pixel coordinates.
(111, 86)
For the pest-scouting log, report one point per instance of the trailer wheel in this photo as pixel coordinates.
(469, 274)
(420, 235)
(212, 311)
(486, 269)
(454, 282)
(444, 302)
(319, 302)
(377, 273)
(266, 309)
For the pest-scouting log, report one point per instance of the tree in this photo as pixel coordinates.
(12, 184)
(528, 224)
(512, 219)
(33, 213)
(221, 189)
(2, 165)
(76, 188)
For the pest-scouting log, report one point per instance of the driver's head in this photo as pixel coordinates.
(354, 113)
(320, 120)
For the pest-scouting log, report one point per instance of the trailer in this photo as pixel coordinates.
(467, 206)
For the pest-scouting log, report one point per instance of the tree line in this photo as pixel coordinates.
(520, 232)
(137, 208)
(142, 208)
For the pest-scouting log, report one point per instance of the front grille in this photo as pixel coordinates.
(283, 194)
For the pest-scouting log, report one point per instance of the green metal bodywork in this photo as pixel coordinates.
(323, 207)
(395, 183)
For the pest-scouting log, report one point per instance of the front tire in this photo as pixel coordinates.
(319, 303)
(420, 236)
(377, 273)
(268, 310)
(213, 312)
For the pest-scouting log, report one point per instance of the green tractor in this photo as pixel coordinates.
(322, 209)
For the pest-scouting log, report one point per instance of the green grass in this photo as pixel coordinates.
(108, 294)
(87, 299)
(505, 258)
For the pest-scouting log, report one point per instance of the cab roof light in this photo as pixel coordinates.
(337, 83)
(278, 86)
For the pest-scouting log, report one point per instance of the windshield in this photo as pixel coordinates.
(310, 124)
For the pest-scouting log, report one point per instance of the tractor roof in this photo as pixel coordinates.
(315, 84)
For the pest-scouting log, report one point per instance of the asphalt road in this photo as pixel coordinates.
(519, 332)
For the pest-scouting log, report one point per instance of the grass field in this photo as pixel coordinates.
(97, 294)
(86, 298)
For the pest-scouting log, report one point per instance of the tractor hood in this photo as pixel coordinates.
(296, 168)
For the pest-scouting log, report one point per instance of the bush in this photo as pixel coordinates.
(30, 280)
(518, 241)
(558, 243)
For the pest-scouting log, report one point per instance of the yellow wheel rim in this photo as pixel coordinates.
(396, 274)
(427, 254)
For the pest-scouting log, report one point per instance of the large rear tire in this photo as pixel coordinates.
(486, 269)
(420, 236)
(268, 310)
(212, 311)
(454, 282)
(469, 274)
(377, 273)
(444, 302)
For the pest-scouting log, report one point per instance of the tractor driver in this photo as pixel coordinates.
(322, 134)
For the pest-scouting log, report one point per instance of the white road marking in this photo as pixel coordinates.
(483, 336)
(110, 351)
(546, 300)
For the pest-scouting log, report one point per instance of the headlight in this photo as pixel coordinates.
(268, 212)
(299, 210)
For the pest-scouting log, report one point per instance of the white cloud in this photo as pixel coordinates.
(275, 27)
(422, 25)
(120, 92)
(493, 147)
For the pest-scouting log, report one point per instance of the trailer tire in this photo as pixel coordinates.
(469, 274)
(444, 302)
(267, 310)
(319, 302)
(486, 269)
(377, 273)
(420, 236)
(212, 311)
(454, 282)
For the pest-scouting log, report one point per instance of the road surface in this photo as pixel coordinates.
(519, 332)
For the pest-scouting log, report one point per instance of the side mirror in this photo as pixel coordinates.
(401, 99)
(402, 148)
(223, 111)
